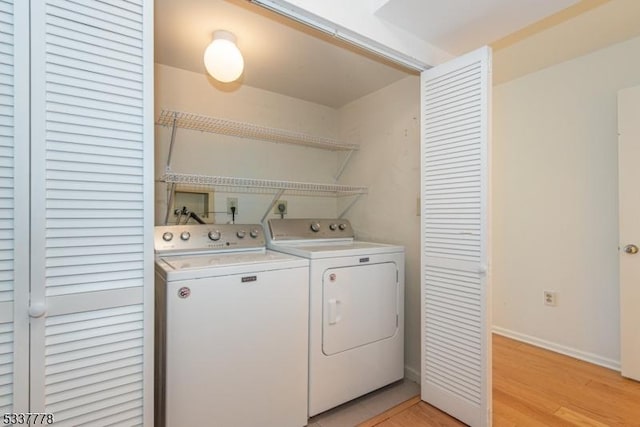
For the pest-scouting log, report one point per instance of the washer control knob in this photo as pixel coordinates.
(342, 226)
(254, 233)
(185, 235)
(241, 234)
(333, 227)
(214, 235)
(315, 227)
(167, 236)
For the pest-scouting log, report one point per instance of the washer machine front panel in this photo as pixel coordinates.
(237, 339)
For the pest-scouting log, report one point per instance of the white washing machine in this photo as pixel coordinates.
(231, 329)
(356, 324)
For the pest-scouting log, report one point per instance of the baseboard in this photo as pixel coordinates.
(412, 374)
(558, 348)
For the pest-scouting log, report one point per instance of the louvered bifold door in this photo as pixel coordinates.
(456, 343)
(91, 336)
(14, 207)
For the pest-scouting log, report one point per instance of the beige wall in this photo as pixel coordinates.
(555, 203)
(386, 125)
(212, 154)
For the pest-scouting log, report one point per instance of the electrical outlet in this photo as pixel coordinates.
(232, 202)
(550, 298)
(280, 207)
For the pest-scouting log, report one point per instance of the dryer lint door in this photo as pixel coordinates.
(360, 306)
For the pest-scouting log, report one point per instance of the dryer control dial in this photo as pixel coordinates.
(333, 226)
(342, 226)
(241, 234)
(214, 235)
(167, 236)
(315, 227)
(254, 233)
(185, 235)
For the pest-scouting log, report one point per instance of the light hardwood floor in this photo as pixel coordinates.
(536, 387)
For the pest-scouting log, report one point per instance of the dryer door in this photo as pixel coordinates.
(360, 306)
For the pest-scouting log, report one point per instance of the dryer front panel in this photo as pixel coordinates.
(360, 306)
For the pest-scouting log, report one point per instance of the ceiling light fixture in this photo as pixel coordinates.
(222, 58)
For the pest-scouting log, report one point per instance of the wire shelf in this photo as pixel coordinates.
(234, 184)
(248, 130)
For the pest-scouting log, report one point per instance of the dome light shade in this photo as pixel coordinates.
(222, 58)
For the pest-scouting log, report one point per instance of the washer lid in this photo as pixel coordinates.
(178, 267)
(191, 262)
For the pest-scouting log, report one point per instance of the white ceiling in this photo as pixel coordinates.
(291, 59)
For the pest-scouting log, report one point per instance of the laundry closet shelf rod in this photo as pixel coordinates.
(259, 185)
(248, 130)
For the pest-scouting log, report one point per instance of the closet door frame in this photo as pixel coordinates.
(18, 310)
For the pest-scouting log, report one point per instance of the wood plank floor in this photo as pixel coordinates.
(536, 387)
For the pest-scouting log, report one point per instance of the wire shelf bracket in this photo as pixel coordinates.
(271, 205)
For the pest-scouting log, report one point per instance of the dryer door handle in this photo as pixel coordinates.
(334, 311)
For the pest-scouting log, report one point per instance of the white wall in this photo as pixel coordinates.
(555, 203)
(387, 127)
(212, 154)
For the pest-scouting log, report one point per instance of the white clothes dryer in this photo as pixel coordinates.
(356, 323)
(231, 329)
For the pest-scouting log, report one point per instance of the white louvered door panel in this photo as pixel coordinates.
(456, 344)
(14, 206)
(91, 354)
